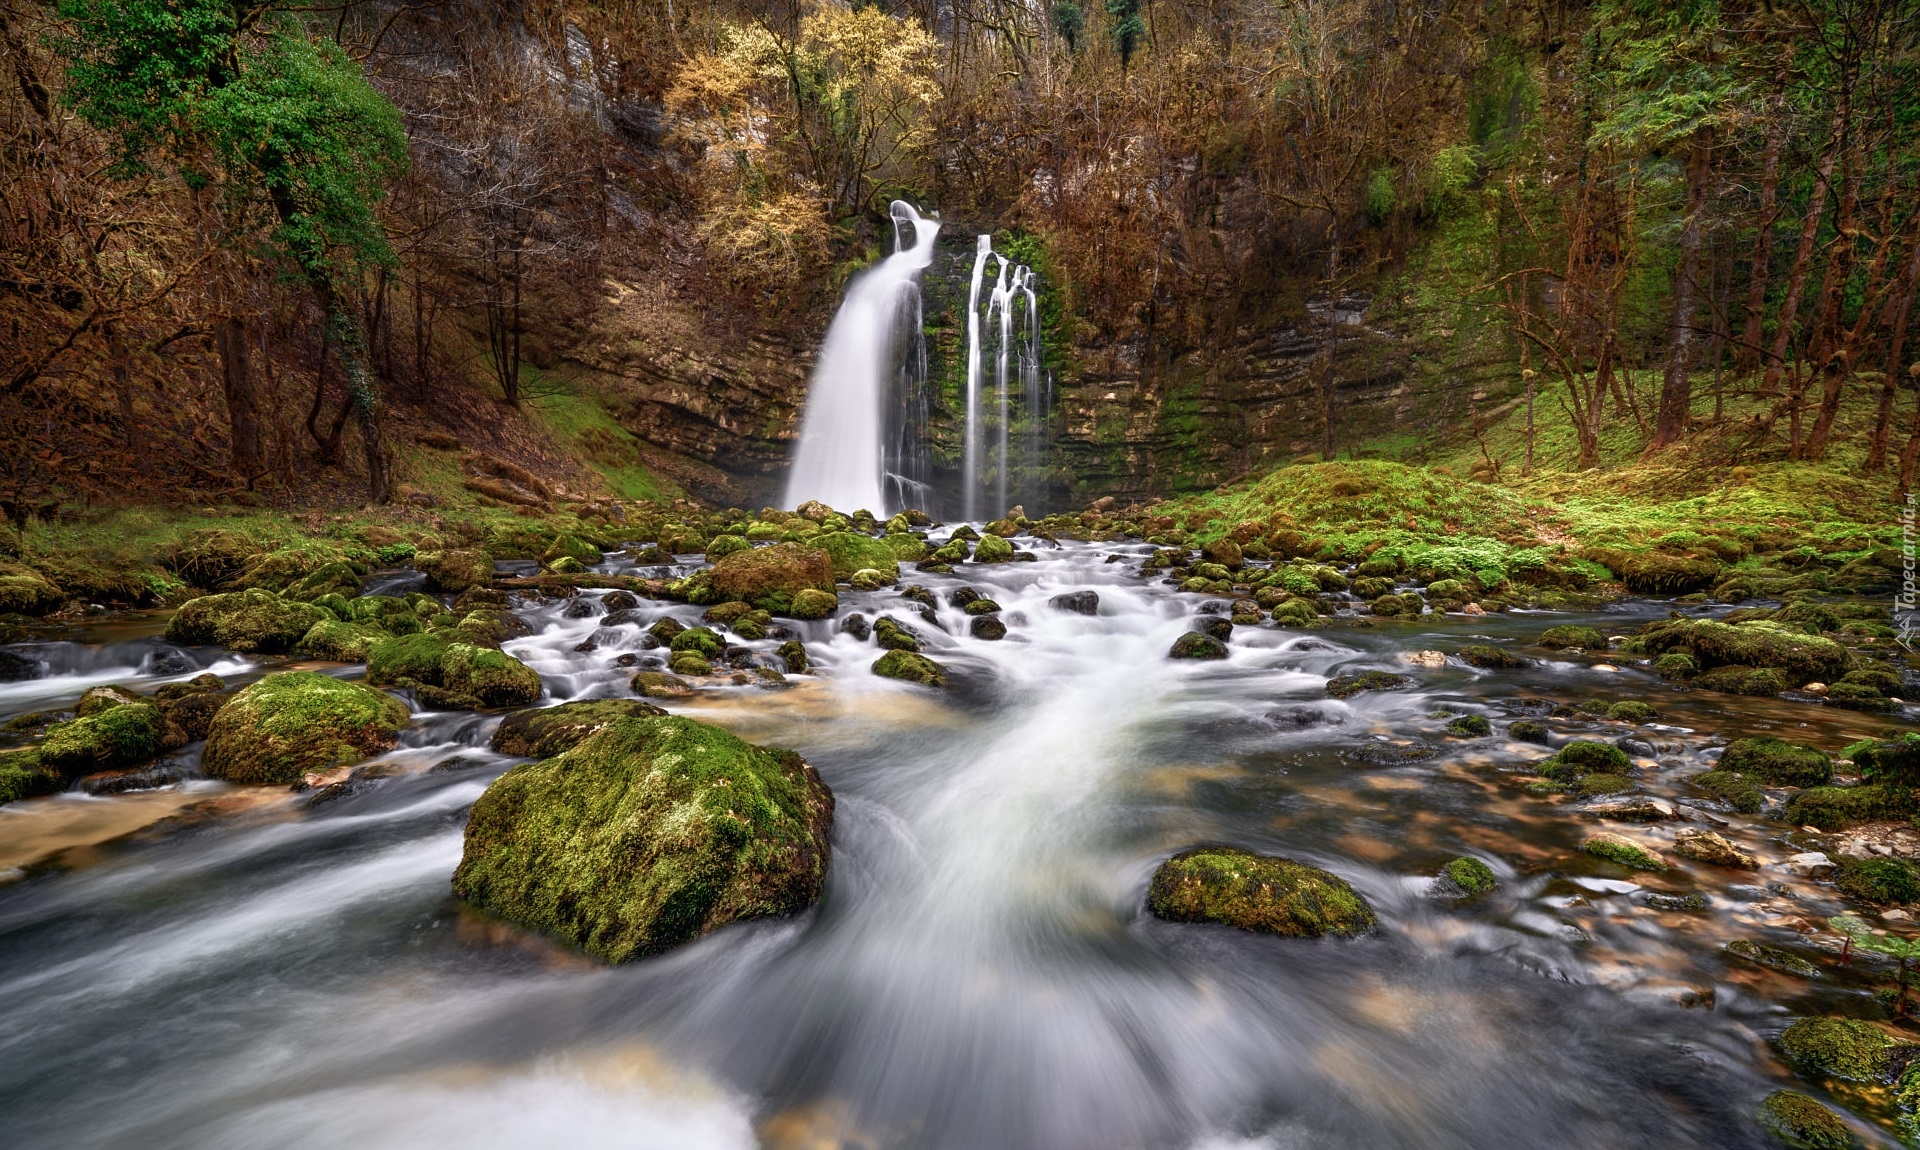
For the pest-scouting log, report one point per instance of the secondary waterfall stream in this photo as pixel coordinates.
(980, 972)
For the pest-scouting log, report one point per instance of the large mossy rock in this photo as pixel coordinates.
(850, 551)
(117, 736)
(24, 591)
(1804, 1123)
(253, 621)
(650, 833)
(546, 731)
(288, 724)
(447, 673)
(454, 571)
(332, 579)
(1799, 657)
(769, 578)
(24, 776)
(910, 667)
(338, 642)
(1778, 762)
(1255, 892)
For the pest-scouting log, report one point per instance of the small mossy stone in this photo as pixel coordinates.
(987, 627)
(650, 833)
(1676, 667)
(722, 546)
(338, 642)
(253, 621)
(488, 677)
(1758, 682)
(1843, 1048)
(689, 663)
(571, 547)
(1879, 880)
(1347, 686)
(1573, 635)
(1253, 892)
(288, 724)
(794, 653)
(890, 634)
(910, 667)
(850, 551)
(1730, 787)
(408, 660)
(1778, 762)
(106, 740)
(1295, 612)
(98, 699)
(332, 579)
(1772, 957)
(982, 606)
(1837, 808)
(868, 579)
(1197, 645)
(1632, 711)
(24, 776)
(24, 591)
(660, 685)
(1490, 658)
(1622, 851)
(1469, 727)
(546, 731)
(1595, 785)
(811, 604)
(1470, 876)
(1528, 731)
(1895, 762)
(567, 565)
(992, 549)
(702, 641)
(1803, 1123)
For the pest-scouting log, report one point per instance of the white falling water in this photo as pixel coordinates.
(1015, 360)
(842, 459)
(970, 462)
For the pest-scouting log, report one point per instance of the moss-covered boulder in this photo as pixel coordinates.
(254, 621)
(1778, 762)
(24, 776)
(1490, 658)
(115, 737)
(1585, 757)
(1758, 682)
(894, 636)
(1347, 686)
(1469, 876)
(660, 685)
(1837, 808)
(289, 724)
(98, 699)
(571, 547)
(1803, 1123)
(473, 676)
(1730, 787)
(850, 551)
(1895, 762)
(1843, 1048)
(768, 578)
(992, 549)
(910, 667)
(24, 591)
(907, 548)
(1295, 612)
(1197, 645)
(1632, 711)
(406, 660)
(543, 732)
(453, 571)
(1880, 880)
(1528, 731)
(648, 834)
(1469, 727)
(1261, 893)
(1799, 657)
(1573, 635)
(331, 579)
(339, 642)
(702, 641)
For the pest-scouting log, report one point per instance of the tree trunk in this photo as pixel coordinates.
(1747, 355)
(350, 348)
(1835, 354)
(1676, 389)
(1803, 257)
(243, 402)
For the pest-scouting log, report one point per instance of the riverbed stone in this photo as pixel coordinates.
(253, 621)
(1469, 876)
(1778, 762)
(1582, 757)
(1761, 645)
(1845, 1048)
(296, 722)
(1573, 635)
(992, 549)
(1711, 848)
(543, 732)
(1624, 851)
(1084, 602)
(337, 578)
(1261, 893)
(1197, 645)
(794, 653)
(1731, 787)
(24, 776)
(1758, 682)
(338, 642)
(118, 736)
(1490, 658)
(850, 552)
(1347, 686)
(454, 570)
(650, 833)
(987, 627)
(910, 667)
(1772, 957)
(660, 685)
(770, 578)
(450, 674)
(98, 699)
(1804, 1123)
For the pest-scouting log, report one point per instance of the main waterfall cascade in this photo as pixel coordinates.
(867, 435)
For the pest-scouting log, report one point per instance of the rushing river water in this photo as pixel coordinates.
(980, 972)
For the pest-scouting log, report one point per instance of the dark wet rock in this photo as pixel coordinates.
(856, 625)
(546, 731)
(587, 645)
(1197, 645)
(163, 661)
(1385, 753)
(192, 714)
(1468, 877)
(1772, 957)
(920, 595)
(1077, 602)
(1528, 731)
(16, 667)
(1660, 900)
(1778, 762)
(1634, 746)
(794, 654)
(1302, 717)
(581, 607)
(1216, 626)
(160, 774)
(456, 764)
(1492, 658)
(198, 685)
(660, 685)
(649, 834)
(987, 627)
(626, 659)
(1730, 787)
(288, 724)
(1631, 808)
(1469, 727)
(910, 667)
(961, 596)
(619, 601)
(1260, 893)
(1573, 636)
(1347, 686)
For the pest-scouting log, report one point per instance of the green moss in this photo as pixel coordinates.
(659, 685)
(1800, 657)
(1469, 727)
(811, 604)
(1527, 731)
(1493, 658)
(1347, 686)
(1296, 613)
(1843, 1048)
(889, 634)
(1470, 876)
(1573, 635)
(702, 641)
(1772, 957)
(1623, 851)
(332, 579)
(572, 547)
(1778, 762)
(1676, 667)
(1585, 757)
(910, 667)
(769, 578)
(1270, 895)
(1881, 880)
(291, 723)
(340, 642)
(650, 833)
(117, 737)
(1836, 808)
(407, 660)
(487, 677)
(1632, 711)
(281, 568)
(1595, 785)
(794, 652)
(1892, 761)
(1730, 787)
(543, 732)
(98, 699)
(907, 548)
(24, 591)
(453, 571)
(24, 776)
(1803, 1123)
(992, 549)
(1197, 645)
(722, 546)
(252, 621)
(689, 663)
(850, 551)
(1755, 681)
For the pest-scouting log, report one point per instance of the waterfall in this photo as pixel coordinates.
(1014, 303)
(843, 457)
(970, 462)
